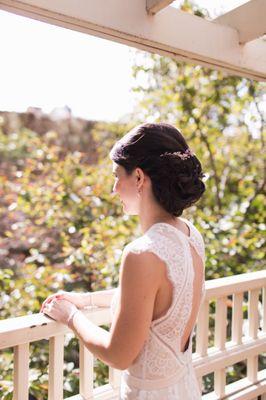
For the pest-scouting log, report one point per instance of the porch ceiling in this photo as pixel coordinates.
(233, 42)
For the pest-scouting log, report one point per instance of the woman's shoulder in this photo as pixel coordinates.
(143, 254)
(155, 240)
(139, 245)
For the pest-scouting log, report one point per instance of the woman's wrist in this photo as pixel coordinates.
(71, 317)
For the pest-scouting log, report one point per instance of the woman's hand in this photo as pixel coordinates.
(59, 309)
(78, 299)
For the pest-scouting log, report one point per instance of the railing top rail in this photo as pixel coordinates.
(29, 328)
(220, 287)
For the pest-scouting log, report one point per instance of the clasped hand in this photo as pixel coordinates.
(59, 309)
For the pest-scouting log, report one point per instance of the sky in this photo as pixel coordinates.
(47, 66)
(50, 67)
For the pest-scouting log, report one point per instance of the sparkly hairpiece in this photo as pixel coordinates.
(187, 154)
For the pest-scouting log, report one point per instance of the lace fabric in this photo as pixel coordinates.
(161, 370)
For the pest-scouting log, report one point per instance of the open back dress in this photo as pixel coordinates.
(161, 371)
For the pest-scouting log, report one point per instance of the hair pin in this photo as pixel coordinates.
(187, 154)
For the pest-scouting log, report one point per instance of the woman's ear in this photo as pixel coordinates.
(140, 175)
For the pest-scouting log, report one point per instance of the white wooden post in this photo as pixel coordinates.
(237, 318)
(219, 342)
(86, 363)
(21, 372)
(202, 333)
(219, 382)
(56, 367)
(252, 368)
(114, 377)
(264, 310)
(202, 330)
(200, 383)
(220, 323)
(253, 318)
(253, 313)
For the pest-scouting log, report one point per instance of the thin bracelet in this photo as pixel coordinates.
(70, 319)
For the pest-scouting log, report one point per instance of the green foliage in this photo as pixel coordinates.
(61, 229)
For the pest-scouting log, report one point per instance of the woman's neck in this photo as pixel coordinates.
(150, 220)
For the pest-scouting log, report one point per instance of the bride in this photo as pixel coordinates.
(161, 278)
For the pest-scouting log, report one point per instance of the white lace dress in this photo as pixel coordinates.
(161, 371)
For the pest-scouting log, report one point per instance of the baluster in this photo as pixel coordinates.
(86, 364)
(219, 342)
(202, 330)
(253, 313)
(219, 382)
(56, 366)
(21, 372)
(114, 378)
(237, 320)
(200, 383)
(252, 368)
(253, 318)
(264, 311)
(220, 323)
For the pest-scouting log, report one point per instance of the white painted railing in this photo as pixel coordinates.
(242, 345)
(20, 332)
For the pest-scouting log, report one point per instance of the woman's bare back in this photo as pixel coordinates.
(164, 295)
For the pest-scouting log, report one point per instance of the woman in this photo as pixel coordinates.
(161, 280)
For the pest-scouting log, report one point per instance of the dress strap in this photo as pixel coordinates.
(195, 239)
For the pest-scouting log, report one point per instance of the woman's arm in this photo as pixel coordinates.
(96, 339)
(140, 276)
(101, 298)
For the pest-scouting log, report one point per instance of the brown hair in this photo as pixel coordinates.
(176, 183)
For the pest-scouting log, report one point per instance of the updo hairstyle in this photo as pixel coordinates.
(176, 183)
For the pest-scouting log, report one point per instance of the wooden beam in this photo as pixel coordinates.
(171, 33)
(154, 6)
(249, 20)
